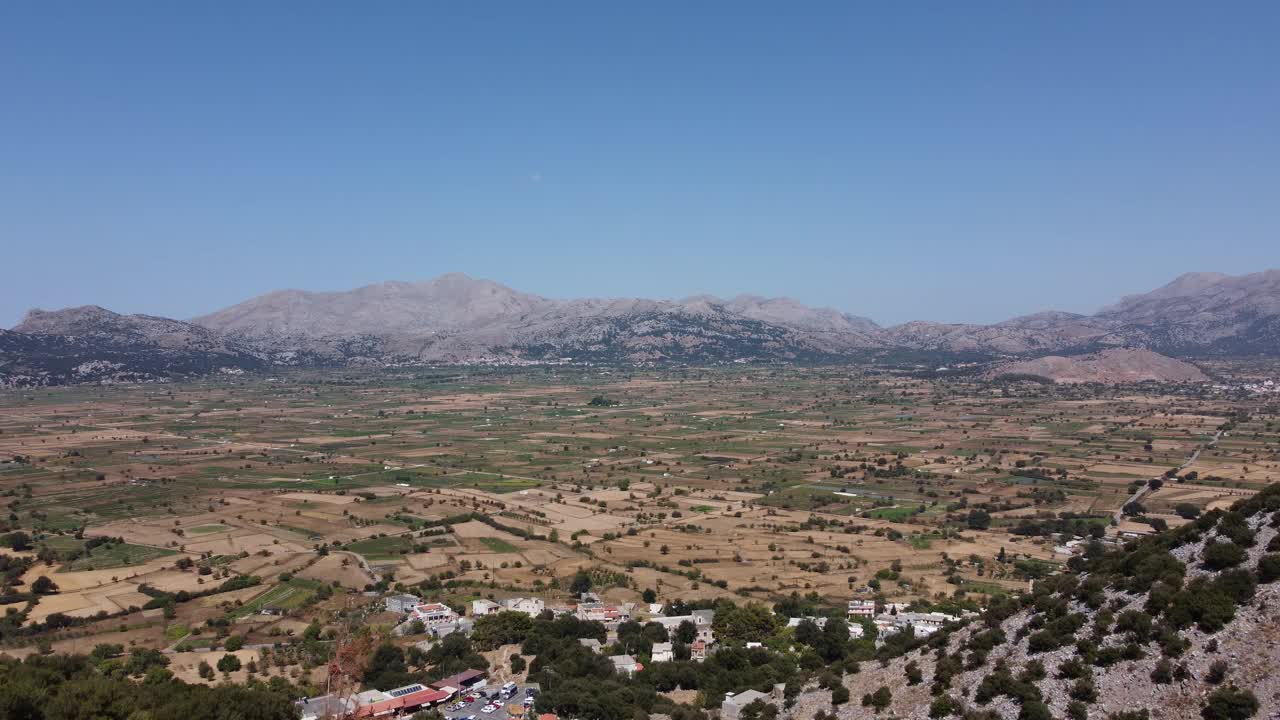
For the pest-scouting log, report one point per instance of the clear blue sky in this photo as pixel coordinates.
(942, 160)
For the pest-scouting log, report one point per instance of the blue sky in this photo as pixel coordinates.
(947, 161)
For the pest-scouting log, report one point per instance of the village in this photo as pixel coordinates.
(461, 696)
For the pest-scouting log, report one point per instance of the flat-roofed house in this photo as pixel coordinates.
(433, 614)
(402, 604)
(483, 607)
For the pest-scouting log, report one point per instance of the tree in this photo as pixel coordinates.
(978, 519)
(1187, 511)
(914, 676)
(1034, 710)
(808, 632)
(1222, 555)
(43, 586)
(649, 595)
(943, 706)
(1269, 568)
(157, 675)
(581, 583)
(105, 651)
(504, 628)
(752, 622)
(205, 670)
(228, 663)
(17, 540)
(517, 664)
(839, 695)
(233, 643)
(387, 667)
(1230, 703)
(878, 700)
(686, 632)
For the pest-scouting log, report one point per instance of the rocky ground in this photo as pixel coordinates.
(1249, 645)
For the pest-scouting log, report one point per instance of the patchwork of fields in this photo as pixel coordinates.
(756, 483)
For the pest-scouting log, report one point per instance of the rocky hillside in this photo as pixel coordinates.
(1184, 624)
(90, 344)
(1121, 365)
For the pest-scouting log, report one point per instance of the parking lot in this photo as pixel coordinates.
(482, 699)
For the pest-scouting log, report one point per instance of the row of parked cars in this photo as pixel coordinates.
(494, 698)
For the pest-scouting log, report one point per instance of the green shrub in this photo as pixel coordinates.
(1222, 555)
(1230, 703)
(1269, 567)
(1163, 672)
(943, 706)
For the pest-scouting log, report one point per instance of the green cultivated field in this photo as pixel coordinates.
(116, 555)
(382, 549)
(499, 545)
(288, 595)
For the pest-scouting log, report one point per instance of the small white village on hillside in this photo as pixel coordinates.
(438, 620)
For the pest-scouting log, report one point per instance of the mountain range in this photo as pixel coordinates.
(456, 319)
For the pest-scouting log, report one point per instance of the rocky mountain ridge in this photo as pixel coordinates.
(458, 319)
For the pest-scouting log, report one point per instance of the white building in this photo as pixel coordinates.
(855, 629)
(611, 615)
(862, 608)
(402, 603)
(532, 607)
(662, 652)
(702, 621)
(480, 608)
(434, 614)
(733, 704)
(921, 624)
(625, 664)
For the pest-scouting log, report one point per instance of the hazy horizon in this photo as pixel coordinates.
(959, 164)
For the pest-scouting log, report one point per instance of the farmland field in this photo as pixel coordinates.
(302, 493)
(106, 557)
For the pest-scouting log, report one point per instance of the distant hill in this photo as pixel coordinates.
(458, 319)
(89, 344)
(1108, 366)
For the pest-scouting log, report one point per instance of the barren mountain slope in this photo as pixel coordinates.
(1109, 366)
